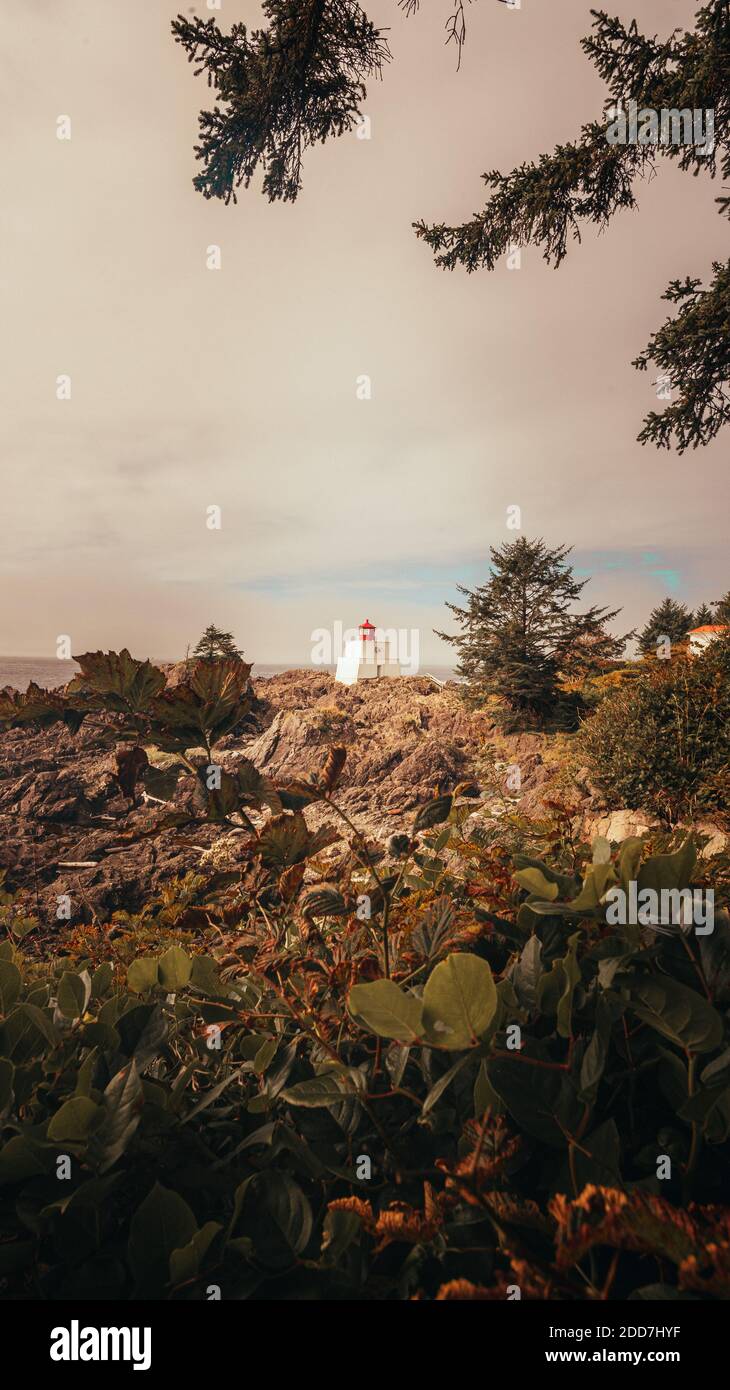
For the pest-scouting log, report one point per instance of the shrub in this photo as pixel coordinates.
(662, 742)
(433, 1075)
(290, 1126)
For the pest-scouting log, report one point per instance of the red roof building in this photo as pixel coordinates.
(700, 637)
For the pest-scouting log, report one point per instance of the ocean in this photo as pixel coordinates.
(19, 671)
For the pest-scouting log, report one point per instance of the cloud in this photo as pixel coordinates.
(238, 388)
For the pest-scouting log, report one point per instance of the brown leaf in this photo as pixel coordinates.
(297, 793)
(463, 1290)
(626, 1221)
(469, 788)
(283, 841)
(332, 770)
(291, 881)
(324, 901)
(131, 764)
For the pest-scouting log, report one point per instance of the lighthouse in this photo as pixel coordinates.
(369, 656)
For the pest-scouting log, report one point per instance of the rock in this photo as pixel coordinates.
(618, 825)
(406, 740)
(532, 804)
(718, 841)
(178, 672)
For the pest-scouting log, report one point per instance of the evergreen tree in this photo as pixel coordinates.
(703, 616)
(215, 644)
(519, 634)
(547, 203)
(301, 80)
(670, 619)
(722, 609)
(282, 89)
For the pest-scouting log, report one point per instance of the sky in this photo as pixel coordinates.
(237, 388)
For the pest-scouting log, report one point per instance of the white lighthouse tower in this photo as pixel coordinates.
(367, 657)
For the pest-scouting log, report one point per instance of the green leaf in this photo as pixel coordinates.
(716, 1071)
(101, 1035)
(277, 1217)
(571, 974)
(629, 860)
(387, 1010)
(565, 882)
(205, 977)
(534, 881)
(20, 1158)
(598, 1157)
(443, 1084)
(74, 993)
(594, 886)
(185, 1263)
(669, 870)
(74, 1121)
(101, 979)
(596, 1053)
(143, 974)
(27, 1032)
(121, 1113)
(550, 989)
(325, 1090)
(21, 926)
(162, 1224)
(678, 1013)
(459, 1002)
(339, 1231)
(7, 1074)
(10, 982)
(537, 1098)
(265, 1055)
(527, 972)
(175, 968)
(85, 1073)
(485, 1096)
(601, 850)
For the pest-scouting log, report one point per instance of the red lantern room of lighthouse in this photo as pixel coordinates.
(366, 633)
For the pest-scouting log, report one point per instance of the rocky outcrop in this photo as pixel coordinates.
(63, 818)
(618, 825)
(406, 739)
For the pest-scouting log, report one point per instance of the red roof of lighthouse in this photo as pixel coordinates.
(367, 624)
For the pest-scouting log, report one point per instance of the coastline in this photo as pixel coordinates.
(17, 672)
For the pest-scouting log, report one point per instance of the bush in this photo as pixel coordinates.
(291, 1126)
(433, 1074)
(662, 742)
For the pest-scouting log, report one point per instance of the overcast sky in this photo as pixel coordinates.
(236, 388)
